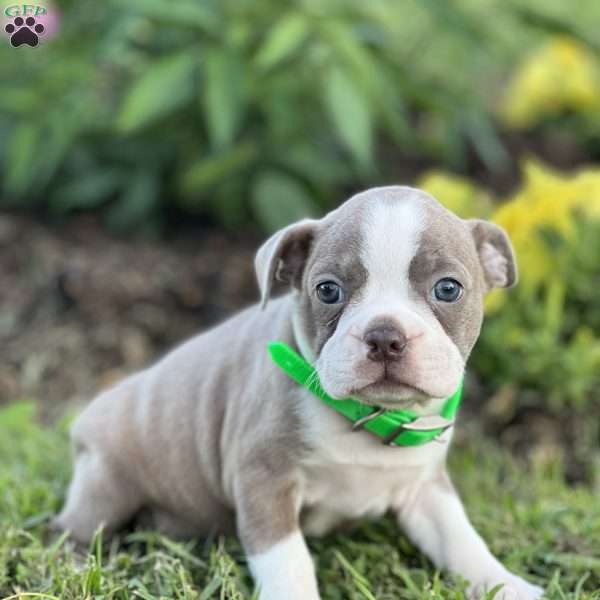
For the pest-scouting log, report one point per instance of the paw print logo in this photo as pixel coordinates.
(24, 31)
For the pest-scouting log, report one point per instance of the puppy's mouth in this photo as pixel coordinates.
(390, 392)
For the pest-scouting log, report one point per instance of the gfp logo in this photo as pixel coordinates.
(24, 10)
(24, 29)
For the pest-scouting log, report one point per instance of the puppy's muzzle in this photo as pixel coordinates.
(386, 344)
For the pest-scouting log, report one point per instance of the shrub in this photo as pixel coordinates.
(245, 110)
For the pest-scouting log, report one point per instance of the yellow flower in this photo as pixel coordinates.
(545, 199)
(562, 75)
(588, 196)
(543, 208)
(456, 193)
(544, 203)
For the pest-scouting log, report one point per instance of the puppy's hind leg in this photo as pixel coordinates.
(97, 496)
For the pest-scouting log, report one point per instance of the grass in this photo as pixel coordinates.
(537, 525)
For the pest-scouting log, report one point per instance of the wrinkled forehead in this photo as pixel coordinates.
(392, 235)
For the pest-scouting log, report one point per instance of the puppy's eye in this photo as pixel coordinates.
(447, 290)
(329, 292)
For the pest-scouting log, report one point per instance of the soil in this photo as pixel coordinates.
(80, 309)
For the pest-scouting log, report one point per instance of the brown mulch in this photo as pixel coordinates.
(79, 309)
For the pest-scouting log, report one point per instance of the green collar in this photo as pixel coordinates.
(396, 427)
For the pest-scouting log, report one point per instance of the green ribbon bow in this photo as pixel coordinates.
(395, 427)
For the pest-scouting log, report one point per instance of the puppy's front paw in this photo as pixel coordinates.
(514, 588)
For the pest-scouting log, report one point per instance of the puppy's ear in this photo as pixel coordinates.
(283, 255)
(496, 254)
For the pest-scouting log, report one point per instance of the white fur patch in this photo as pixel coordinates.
(391, 236)
(285, 571)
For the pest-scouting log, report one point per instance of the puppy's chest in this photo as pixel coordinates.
(350, 476)
(338, 493)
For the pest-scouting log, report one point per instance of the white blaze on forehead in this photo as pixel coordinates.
(391, 235)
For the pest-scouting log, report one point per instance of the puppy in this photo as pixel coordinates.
(386, 301)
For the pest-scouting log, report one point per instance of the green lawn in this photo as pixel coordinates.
(538, 526)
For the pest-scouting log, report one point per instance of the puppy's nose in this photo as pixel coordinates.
(386, 344)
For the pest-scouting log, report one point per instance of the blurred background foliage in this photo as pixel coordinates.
(246, 112)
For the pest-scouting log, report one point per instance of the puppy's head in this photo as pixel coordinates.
(389, 290)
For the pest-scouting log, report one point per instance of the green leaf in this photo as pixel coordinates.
(349, 111)
(278, 200)
(360, 581)
(211, 588)
(187, 12)
(228, 203)
(223, 96)
(452, 17)
(349, 50)
(324, 167)
(481, 131)
(369, 73)
(167, 84)
(285, 37)
(18, 100)
(87, 192)
(206, 172)
(138, 200)
(20, 158)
